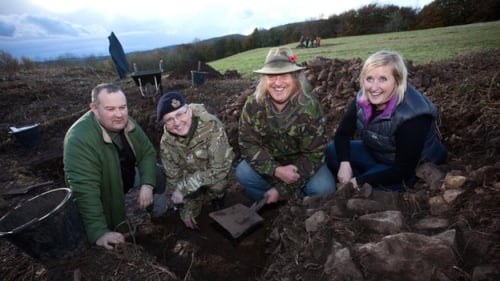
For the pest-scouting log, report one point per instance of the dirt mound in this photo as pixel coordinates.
(446, 228)
(184, 72)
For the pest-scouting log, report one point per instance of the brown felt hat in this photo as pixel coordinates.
(280, 60)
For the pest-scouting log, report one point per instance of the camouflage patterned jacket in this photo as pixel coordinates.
(268, 139)
(202, 159)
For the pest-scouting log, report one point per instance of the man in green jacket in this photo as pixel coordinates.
(195, 153)
(103, 150)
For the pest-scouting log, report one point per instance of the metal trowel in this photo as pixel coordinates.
(239, 218)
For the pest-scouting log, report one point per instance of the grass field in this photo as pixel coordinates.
(420, 46)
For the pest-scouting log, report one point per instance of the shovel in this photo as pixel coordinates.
(238, 218)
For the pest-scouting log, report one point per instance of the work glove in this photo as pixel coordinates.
(177, 197)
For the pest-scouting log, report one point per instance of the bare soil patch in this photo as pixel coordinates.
(466, 90)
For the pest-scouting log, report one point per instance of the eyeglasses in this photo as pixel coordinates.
(178, 116)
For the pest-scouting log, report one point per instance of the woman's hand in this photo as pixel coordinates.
(344, 174)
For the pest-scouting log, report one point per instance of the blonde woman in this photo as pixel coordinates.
(396, 125)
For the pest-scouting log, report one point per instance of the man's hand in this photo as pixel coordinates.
(191, 223)
(109, 239)
(177, 197)
(145, 196)
(272, 195)
(288, 174)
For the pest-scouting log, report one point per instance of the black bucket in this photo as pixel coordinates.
(198, 77)
(47, 227)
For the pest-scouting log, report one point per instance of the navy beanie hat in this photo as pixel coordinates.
(169, 102)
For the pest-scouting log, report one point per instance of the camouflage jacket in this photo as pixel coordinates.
(269, 138)
(204, 158)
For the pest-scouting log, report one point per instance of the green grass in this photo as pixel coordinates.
(420, 46)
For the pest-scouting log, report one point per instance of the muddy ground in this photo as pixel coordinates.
(286, 246)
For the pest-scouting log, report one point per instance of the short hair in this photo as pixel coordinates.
(103, 87)
(399, 70)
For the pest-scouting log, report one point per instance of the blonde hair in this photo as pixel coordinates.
(399, 70)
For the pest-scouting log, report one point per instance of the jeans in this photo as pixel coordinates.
(363, 163)
(160, 205)
(256, 185)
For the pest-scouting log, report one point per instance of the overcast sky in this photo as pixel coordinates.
(46, 29)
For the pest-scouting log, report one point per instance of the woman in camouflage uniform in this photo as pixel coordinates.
(282, 135)
(195, 153)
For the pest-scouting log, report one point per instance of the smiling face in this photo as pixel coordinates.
(281, 88)
(111, 110)
(379, 85)
(178, 122)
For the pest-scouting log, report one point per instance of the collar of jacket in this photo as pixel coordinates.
(107, 138)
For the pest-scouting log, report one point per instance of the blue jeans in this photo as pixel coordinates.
(363, 163)
(256, 185)
(160, 205)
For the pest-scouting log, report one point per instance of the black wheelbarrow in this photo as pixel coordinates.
(148, 81)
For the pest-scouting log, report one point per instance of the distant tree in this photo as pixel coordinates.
(220, 48)
(276, 37)
(253, 40)
(333, 24)
(431, 15)
(348, 24)
(400, 19)
(481, 11)
(27, 63)
(8, 63)
(454, 10)
(326, 28)
(369, 19)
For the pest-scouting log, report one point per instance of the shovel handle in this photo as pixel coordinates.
(258, 205)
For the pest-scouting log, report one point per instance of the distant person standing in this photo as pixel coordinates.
(103, 150)
(318, 41)
(282, 135)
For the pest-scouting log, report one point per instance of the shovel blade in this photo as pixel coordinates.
(236, 219)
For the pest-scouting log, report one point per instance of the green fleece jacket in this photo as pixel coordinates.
(92, 172)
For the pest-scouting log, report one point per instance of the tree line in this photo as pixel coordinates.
(369, 19)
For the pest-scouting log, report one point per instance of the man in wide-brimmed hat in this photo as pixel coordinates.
(282, 135)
